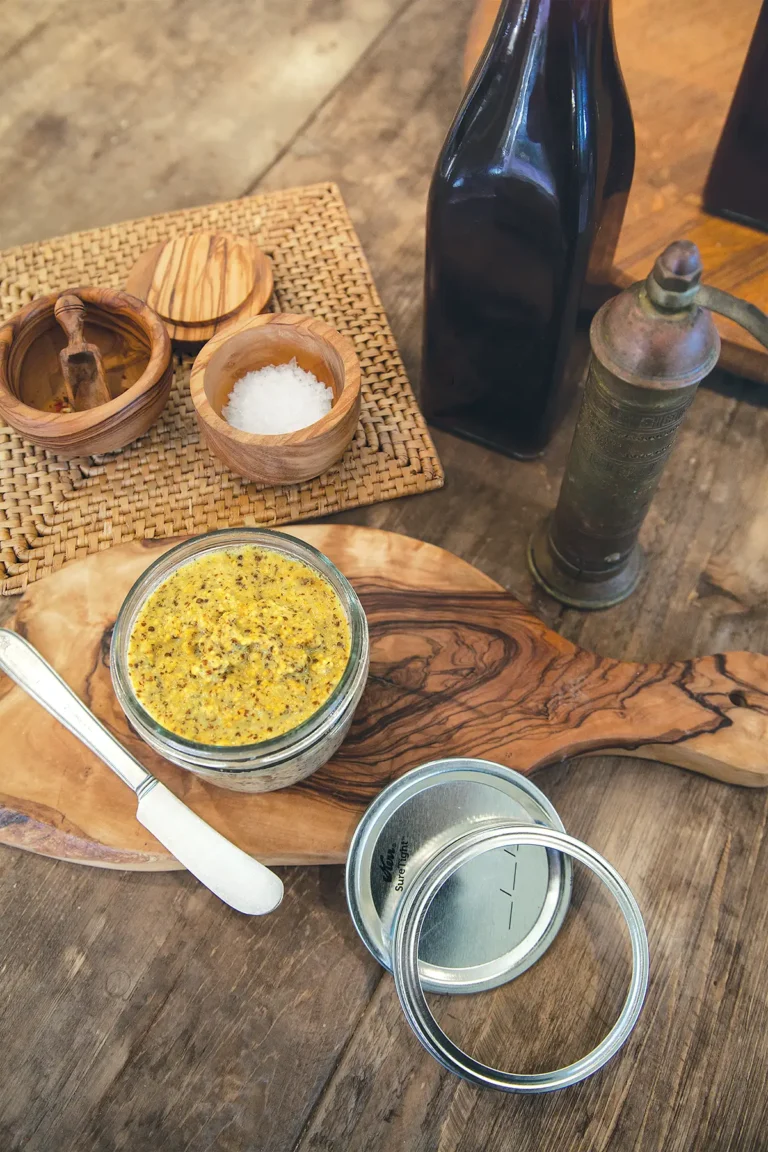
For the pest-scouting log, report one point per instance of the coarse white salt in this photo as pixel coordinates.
(278, 398)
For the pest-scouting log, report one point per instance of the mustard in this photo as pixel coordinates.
(238, 646)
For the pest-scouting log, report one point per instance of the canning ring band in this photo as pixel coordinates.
(407, 928)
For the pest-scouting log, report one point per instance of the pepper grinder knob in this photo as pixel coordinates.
(675, 277)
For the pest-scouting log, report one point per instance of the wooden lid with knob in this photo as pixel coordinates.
(200, 281)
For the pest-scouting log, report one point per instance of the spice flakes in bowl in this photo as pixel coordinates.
(238, 647)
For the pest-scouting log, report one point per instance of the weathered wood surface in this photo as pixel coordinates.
(456, 662)
(138, 1011)
(142, 107)
(681, 63)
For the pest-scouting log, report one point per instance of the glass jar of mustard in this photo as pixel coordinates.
(242, 656)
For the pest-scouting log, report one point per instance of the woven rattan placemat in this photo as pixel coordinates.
(167, 483)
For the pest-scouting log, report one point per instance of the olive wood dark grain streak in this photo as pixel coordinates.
(497, 681)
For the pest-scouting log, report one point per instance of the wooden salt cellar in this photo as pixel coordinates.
(277, 339)
(135, 351)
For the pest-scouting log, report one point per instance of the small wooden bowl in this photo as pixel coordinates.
(278, 339)
(136, 351)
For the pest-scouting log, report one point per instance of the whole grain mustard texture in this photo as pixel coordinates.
(238, 646)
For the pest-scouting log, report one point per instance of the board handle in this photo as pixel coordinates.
(733, 689)
(709, 715)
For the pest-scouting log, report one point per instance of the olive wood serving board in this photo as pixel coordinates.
(458, 667)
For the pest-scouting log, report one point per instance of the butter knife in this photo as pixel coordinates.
(233, 875)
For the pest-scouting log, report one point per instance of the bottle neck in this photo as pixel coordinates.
(530, 96)
(555, 43)
(520, 19)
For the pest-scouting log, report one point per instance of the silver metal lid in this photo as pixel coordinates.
(495, 916)
(411, 921)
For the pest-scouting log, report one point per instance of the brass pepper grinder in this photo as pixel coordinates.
(652, 345)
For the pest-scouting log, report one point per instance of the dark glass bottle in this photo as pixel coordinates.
(737, 184)
(524, 213)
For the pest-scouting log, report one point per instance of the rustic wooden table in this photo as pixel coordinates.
(137, 1011)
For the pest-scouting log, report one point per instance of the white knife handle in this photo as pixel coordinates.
(232, 874)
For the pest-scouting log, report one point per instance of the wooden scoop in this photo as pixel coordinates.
(81, 363)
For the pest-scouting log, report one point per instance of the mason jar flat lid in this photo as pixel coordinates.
(492, 918)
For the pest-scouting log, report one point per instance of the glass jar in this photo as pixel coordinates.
(284, 759)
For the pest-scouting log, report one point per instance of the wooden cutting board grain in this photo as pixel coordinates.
(458, 667)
